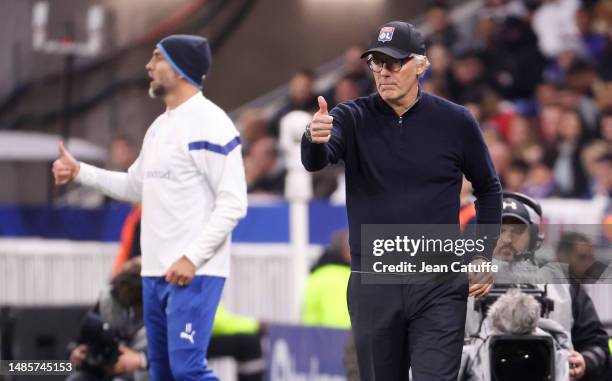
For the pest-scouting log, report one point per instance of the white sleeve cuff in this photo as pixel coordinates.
(86, 175)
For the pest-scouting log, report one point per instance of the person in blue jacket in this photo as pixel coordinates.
(405, 152)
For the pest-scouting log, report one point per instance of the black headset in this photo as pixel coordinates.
(535, 238)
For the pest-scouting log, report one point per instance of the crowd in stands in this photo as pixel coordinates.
(536, 74)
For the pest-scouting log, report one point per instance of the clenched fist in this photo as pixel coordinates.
(322, 123)
(66, 167)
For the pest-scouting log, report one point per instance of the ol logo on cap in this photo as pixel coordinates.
(386, 34)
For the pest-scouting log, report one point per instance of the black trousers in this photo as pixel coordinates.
(402, 326)
(245, 349)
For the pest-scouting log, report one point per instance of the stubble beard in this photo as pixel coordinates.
(157, 91)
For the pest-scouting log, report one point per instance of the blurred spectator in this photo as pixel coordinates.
(603, 94)
(605, 126)
(581, 77)
(129, 246)
(513, 178)
(586, 107)
(437, 77)
(122, 152)
(238, 337)
(497, 112)
(514, 61)
(485, 32)
(593, 43)
(576, 250)
(357, 70)
(441, 28)
(557, 68)
(555, 24)
(346, 89)
(602, 176)
(301, 97)
(569, 174)
(589, 157)
(253, 125)
(546, 94)
(605, 62)
(326, 181)
(540, 182)
(112, 343)
(325, 292)
(548, 120)
(522, 139)
(263, 168)
(491, 136)
(468, 75)
(501, 157)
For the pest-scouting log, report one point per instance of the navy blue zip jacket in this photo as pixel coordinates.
(407, 169)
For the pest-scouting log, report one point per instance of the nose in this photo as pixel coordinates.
(385, 70)
(505, 237)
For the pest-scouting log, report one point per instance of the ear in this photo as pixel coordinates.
(421, 67)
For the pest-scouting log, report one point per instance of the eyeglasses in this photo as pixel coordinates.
(376, 64)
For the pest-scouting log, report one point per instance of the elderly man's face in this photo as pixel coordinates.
(514, 239)
(392, 86)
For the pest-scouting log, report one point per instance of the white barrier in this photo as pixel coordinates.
(59, 272)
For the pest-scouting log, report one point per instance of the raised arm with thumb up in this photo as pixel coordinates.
(322, 124)
(65, 168)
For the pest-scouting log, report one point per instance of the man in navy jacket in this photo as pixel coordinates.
(405, 152)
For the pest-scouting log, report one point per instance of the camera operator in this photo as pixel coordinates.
(520, 238)
(112, 342)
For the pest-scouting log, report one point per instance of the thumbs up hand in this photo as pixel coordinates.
(322, 123)
(66, 167)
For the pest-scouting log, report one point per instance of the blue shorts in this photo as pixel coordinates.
(178, 321)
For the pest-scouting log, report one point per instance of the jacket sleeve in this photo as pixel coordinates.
(588, 334)
(118, 185)
(224, 169)
(479, 170)
(317, 156)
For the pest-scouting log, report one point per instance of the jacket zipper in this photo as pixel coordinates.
(401, 118)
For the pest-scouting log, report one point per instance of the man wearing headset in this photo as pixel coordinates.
(520, 238)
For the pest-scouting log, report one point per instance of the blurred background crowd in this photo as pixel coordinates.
(537, 75)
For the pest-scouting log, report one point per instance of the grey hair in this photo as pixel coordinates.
(422, 60)
(515, 313)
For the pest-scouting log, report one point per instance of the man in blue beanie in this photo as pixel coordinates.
(189, 177)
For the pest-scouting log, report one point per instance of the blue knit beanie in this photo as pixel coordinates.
(188, 55)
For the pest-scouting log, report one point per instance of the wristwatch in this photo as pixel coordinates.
(307, 133)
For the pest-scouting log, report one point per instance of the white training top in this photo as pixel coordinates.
(189, 176)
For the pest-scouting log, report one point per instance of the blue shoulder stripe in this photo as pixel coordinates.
(223, 150)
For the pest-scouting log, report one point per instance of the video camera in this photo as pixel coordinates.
(102, 342)
(512, 356)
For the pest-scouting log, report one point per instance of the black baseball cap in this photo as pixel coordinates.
(397, 39)
(521, 207)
